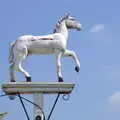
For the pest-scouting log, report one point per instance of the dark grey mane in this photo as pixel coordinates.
(63, 18)
(60, 21)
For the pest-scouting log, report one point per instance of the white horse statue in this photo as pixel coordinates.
(55, 43)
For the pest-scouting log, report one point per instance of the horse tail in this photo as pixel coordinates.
(11, 53)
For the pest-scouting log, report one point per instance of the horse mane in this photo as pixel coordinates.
(64, 18)
(60, 21)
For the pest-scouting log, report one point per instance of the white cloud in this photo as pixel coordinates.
(111, 108)
(115, 98)
(97, 28)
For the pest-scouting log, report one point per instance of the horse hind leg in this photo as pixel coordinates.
(11, 70)
(27, 76)
(18, 65)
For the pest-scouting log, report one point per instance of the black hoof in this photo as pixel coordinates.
(12, 81)
(28, 79)
(60, 79)
(77, 69)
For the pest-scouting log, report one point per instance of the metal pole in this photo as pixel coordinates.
(38, 99)
(53, 106)
(23, 106)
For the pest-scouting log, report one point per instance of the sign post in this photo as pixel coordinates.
(38, 89)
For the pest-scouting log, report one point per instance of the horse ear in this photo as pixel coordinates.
(67, 15)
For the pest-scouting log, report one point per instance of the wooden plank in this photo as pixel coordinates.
(38, 87)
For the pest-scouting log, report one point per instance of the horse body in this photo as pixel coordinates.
(55, 43)
(46, 44)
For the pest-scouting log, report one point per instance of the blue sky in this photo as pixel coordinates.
(97, 92)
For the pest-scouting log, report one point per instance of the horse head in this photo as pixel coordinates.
(70, 22)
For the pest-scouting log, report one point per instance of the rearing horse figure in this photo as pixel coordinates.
(55, 43)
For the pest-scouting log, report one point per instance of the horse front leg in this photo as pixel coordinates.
(72, 54)
(58, 64)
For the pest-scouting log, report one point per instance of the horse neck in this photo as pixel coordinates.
(64, 30)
